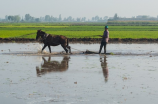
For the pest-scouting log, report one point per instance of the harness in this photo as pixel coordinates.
(52, 41)
(45, 36)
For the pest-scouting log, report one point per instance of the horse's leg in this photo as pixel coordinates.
(43, 47)
(44, 60)
(49, 59)
(49, 48)
(69, 49)
(68, 45)
(65, 48)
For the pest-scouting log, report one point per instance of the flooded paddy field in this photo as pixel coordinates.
(129, 75)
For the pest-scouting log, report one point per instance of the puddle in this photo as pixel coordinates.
(127, 77)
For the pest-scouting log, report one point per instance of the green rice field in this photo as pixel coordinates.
(28, 30)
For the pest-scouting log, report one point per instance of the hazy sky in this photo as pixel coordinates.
(79, 8)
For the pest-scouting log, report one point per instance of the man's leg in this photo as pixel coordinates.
(101, 45)
(105, 47)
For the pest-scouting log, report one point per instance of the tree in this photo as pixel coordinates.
(115, 16)
(78, 19)
(6, 17)
(93, 19)
(144, 16)
(17, 18)
(10, 18)
(96, 18)
(69, 18)
(37, 19)
(60, 17)
(27, 17)
(106, 17)
(100, 18)
(47, 18)
(84, 19)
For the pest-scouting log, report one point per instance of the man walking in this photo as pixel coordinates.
(105, 39)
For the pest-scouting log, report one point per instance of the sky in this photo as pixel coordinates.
(79, 8)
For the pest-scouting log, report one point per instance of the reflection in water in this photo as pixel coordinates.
(104, 68)
(52, 66)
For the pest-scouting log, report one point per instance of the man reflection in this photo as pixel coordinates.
(52, 66)
(104, 68)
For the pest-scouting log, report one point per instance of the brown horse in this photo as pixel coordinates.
(53, 66)
(55, 40)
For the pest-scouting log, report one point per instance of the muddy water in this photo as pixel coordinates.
(128, 76)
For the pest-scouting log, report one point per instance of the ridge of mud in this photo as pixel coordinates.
(83, 40)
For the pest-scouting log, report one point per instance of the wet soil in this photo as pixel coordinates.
(127, 76)
(84, 40)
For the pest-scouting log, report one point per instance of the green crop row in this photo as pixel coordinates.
(14, 33)
(81, 28)
(93, 34)
(28, 30)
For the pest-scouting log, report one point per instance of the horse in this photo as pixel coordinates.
(53, 66)
(55, 40)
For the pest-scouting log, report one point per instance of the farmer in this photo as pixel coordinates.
(105, 39)
(104, 68)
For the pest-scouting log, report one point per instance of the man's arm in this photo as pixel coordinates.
(108, 35)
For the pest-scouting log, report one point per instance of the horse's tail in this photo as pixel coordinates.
(67, 42)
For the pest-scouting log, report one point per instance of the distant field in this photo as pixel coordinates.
(28, 30)
(133, 23)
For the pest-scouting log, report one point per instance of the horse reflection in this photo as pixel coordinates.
(53, 66)
(104, 68)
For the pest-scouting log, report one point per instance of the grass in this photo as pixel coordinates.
(134, 34)
(14, 33)
(28, 30)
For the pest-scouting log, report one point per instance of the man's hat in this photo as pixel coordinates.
(106, 27)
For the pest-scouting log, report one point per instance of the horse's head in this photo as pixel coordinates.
(39, 34)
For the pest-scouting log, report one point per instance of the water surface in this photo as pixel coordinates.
(127, 77)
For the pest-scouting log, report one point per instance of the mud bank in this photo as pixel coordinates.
(84, 40)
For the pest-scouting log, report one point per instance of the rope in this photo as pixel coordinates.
(76, 49)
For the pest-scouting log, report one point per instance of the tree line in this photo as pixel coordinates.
(48, 18)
